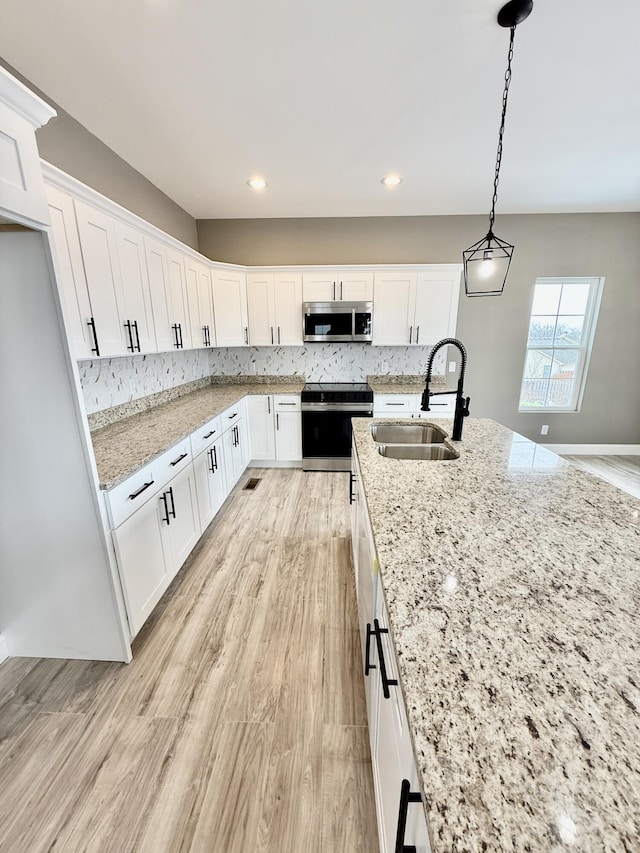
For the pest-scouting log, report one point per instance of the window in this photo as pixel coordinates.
(561, 330)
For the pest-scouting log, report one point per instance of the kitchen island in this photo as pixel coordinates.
(512, 583)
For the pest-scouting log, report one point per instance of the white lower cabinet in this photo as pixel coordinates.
(180, 505)
(211, 484)
(144, 565)
(235, 441)
(408, 406)
(398, 804)
(275, 427)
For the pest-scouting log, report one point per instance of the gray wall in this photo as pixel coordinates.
(493, 329)
(65, 143)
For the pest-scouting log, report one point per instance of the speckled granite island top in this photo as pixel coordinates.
(125, 446)
(512, 581)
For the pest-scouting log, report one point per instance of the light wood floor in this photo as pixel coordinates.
(621, 471)
(240, 725)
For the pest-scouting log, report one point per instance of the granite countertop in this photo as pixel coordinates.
(407, 384)
(125, 446)
(512, 582)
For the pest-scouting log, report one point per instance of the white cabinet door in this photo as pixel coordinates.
(196, 325)
(319, 286)
(230, 308)
(288, 436)
(76, 304)
(181, 522)
(98, 242)
(394, 308)
(437, 295)
(233, 455)
(138, 316)
(261, 420)
(288, 425)
(260, 310)
(145, 567)
(158, 271)
(210, 482)
(177, 299)
(287, 304)
(355, 286)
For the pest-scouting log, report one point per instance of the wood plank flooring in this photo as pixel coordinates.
(620, 471)
(240, 725)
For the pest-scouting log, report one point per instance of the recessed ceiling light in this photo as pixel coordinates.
(257, 183)
(391, 180)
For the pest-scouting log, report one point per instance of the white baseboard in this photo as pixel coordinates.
(4, 651)
(594, 449)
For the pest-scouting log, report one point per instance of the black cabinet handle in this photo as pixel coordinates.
(410, 333)
(215, 458)
(352, 480)
(180, 330)
(134, 495)
(135, 329)
(406, 796)
(386, 682)
(286, 404)
(368, 666)
(130, 345)
(277, 421)
(210, 455)
(209, 434)
(272, 334)
(234, 415)
(179, 459)
(91, 323)
(278, 334)
(173, 506)
(204, 336)
(175, 332)
(268, 405)
(163, 498)
(417, 333)
(246, 334)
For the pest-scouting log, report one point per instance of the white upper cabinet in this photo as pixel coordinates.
(275, 309)
(416, 308)
(437, 296)
(76, 304)
(230, 308)
(198, 284)
(334, 286)
(138, 316)
(177, 299)
(394, 308)
(22, 196)
(158, 271)
(99, 244)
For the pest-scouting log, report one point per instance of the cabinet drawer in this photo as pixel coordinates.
(125, 498)
(205, 436)
(231, 416)
(444, 404)
(286, 402)
(394, 403)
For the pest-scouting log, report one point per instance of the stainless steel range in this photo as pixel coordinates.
(327, 409)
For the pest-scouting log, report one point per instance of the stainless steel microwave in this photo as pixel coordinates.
(337, 321)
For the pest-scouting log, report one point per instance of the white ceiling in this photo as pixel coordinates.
(324, 98)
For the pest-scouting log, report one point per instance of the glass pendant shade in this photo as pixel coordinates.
(486, 265)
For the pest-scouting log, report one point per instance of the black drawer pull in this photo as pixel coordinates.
(135, 329)
(406, 796)
(163, 498)
(130, 346)
(386, 682)
(215, 458)
(352, 479)
(179, 459)
(286, 404)
(209, 434)
(173, 506)
(234, 415)
(134, 495)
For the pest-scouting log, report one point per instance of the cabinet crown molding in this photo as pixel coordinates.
(23, 101)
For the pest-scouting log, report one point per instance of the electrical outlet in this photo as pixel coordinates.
(545, 429)
(253, 367)
(385, 366)
(452, 367)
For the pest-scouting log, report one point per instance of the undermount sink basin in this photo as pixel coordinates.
(407, 434)
(418, 451)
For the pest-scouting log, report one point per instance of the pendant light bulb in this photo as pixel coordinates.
(487, 267)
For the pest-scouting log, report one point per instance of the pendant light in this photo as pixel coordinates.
(486, 263)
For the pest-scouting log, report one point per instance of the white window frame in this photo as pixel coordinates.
(596, 284)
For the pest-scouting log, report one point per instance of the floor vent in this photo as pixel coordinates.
(251, 483)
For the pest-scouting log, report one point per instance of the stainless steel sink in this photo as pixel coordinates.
(418, 451)
(407, 434)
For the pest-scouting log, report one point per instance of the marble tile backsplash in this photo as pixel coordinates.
(108, 382)
(324, 362)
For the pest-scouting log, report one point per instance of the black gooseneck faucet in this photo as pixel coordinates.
(462, 404)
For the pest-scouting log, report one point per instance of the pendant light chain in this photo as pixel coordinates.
(505, 95)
